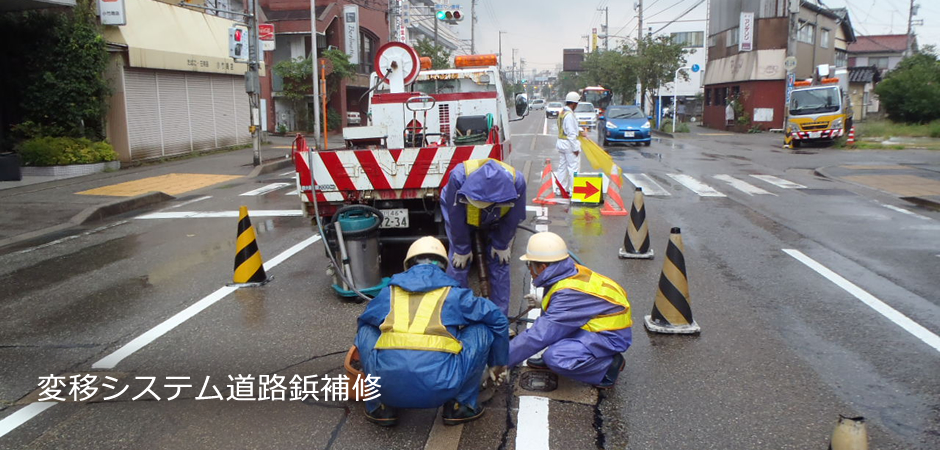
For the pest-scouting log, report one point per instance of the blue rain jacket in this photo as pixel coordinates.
(426, 379)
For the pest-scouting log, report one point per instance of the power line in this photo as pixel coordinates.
(680, 16)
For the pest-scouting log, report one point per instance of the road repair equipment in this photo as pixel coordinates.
(249, 268)
(850, 434)
(546, 195)
(588, 189)
(354, 235)
(672, 313)
(636, 240)
(820, 109)
(851, 139)
(480, 258)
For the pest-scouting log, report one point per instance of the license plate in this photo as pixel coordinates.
(815, 134)
(394, 218)
(627, 134)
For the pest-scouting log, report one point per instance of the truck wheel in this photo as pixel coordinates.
(795, 143)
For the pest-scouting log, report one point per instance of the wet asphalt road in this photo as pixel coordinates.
(783, 350)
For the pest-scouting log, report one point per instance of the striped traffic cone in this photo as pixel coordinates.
(672, 313)
(636, 241)
(851, 139)
(546, 195)
(850, 434)
(249, 268)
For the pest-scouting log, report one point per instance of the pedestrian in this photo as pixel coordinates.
(429, 340)
(483, 196)
(729, 114)
(585, 323)
(569, 148)
(680, 111)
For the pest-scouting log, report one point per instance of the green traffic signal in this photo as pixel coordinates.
(441, 15)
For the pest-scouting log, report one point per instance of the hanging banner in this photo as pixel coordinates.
(746, 41)
(351, 20)
(112, 12)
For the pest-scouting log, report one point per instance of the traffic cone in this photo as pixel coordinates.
(636, 241)
(851, 138)
(546, 195)
(249, 268)
(672, 313)
(613, 203)
(850, 434)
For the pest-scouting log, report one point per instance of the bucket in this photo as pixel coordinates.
(361, 235)
(354, 373)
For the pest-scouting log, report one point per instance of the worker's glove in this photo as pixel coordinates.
(533, 301)
(460, 261)
(499, 375)
(503, 255)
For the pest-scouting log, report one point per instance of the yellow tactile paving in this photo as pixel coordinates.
(864, 167)
(172, 184)
(904, 185)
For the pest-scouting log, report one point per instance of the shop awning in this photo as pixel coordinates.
(163, 36)
(747, 66)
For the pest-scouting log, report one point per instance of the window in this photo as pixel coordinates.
(721, 96)
(807, 32)
(688, 38)
(713, 40)
(880, 62)
(824, 38)
(708, 97)
(368, 44)
(732, 37)
(842, 59)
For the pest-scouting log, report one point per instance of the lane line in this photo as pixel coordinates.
(743, 186)
(904, 211)
(779, 182)
(287, 173)
(265, 189)
(702, 189)
(189, 202)
(532, 426)
(69, 238)
(22, 416)
(873, 302)
(108, 362)
(294, 192)
(650, 187)
(545, 126)
(221, 214)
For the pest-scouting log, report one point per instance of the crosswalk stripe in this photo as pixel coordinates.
(743, 186)
(696, 186)
(779, 182)
(265, 189)
(532, 427)
(650, 186)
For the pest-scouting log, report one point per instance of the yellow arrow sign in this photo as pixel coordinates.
(588, 189)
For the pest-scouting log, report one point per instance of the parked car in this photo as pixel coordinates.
(625, 123)
(538, 103)
(353, 118)
(553, 109)
(586, 114)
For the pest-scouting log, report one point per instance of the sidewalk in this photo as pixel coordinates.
(916, 183)
(38, 206)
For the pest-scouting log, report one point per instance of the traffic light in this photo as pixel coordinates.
(238, 43)
(450, 14)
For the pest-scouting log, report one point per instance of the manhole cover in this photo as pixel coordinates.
(826, 192)
(538, 380)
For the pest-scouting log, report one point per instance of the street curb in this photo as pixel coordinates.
(662, 134)
(120, 206)
(271, 167)
(926, 201)
(819, 171)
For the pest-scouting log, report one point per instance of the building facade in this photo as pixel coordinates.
(692, 35)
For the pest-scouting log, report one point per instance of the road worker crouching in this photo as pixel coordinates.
(429, 341)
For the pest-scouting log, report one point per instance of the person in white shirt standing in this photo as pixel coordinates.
(568, 145)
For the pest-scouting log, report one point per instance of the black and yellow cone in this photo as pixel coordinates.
(672, 313)
(249, 268)
(850, 434)
(636, 241)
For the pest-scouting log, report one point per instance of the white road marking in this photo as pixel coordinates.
(189, 202)
(881, 307)
(69, 238)
(265, 189)
(108, 362)
(904, 211)
(743, 186)
(694, 185)
(532, 422)
(20, 417)
(220, 214)
(779, 182)
(287, 173)
(294, 192)
(650, 187)
(545, 127)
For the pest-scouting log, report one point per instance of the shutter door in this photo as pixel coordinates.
(242, 111)
(224, 102)
(201, 111)
(143, 114)
(174, 112)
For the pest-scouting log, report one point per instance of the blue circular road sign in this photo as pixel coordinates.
(696, 68)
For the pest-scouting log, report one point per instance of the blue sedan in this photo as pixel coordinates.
(624, 124)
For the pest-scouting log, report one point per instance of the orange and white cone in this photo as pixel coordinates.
(851, 138)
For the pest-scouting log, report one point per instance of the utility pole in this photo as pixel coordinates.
(316, 74)
(499, 40)
(435, 28)
(639, 50)
(254, 84)
(606, 27)
(910, 27)
(473, 22)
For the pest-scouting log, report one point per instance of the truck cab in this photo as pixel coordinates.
(818, 112)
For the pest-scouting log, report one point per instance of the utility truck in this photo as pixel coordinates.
(820, 109)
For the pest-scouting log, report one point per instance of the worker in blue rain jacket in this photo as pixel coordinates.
(489, 196)
(429, 341)
(585, 323)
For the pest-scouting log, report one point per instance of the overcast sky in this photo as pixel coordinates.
(540, 29)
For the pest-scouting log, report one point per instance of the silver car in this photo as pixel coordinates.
(553, 109)
(537, 104)
(586, 114)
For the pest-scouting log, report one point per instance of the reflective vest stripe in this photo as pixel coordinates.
(472, 165)
(422, 332)
(561, 123)
(599, 286)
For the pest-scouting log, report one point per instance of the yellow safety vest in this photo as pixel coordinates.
(599, 286)
(414, 323)
(472, 165)
(561, 123)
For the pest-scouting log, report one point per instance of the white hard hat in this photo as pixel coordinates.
(545, 247)
(572, 97)
(426, 246)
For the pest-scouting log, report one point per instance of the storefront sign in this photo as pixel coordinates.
(112, 12)
(266, 35)
(746, 41)
(351, 20)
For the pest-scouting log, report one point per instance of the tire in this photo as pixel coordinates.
(647, 143)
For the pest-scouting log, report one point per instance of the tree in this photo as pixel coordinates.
(440, 56)
(611, 70)
(296, 85)
(568, 82)
(911, 92)
(656, 61)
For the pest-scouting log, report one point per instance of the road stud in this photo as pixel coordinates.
(850, 434)
(249, 268)
(636, 241)
(672, 313)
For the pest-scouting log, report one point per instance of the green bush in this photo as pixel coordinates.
(911, 92)
(59, 151)
(666, 126)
